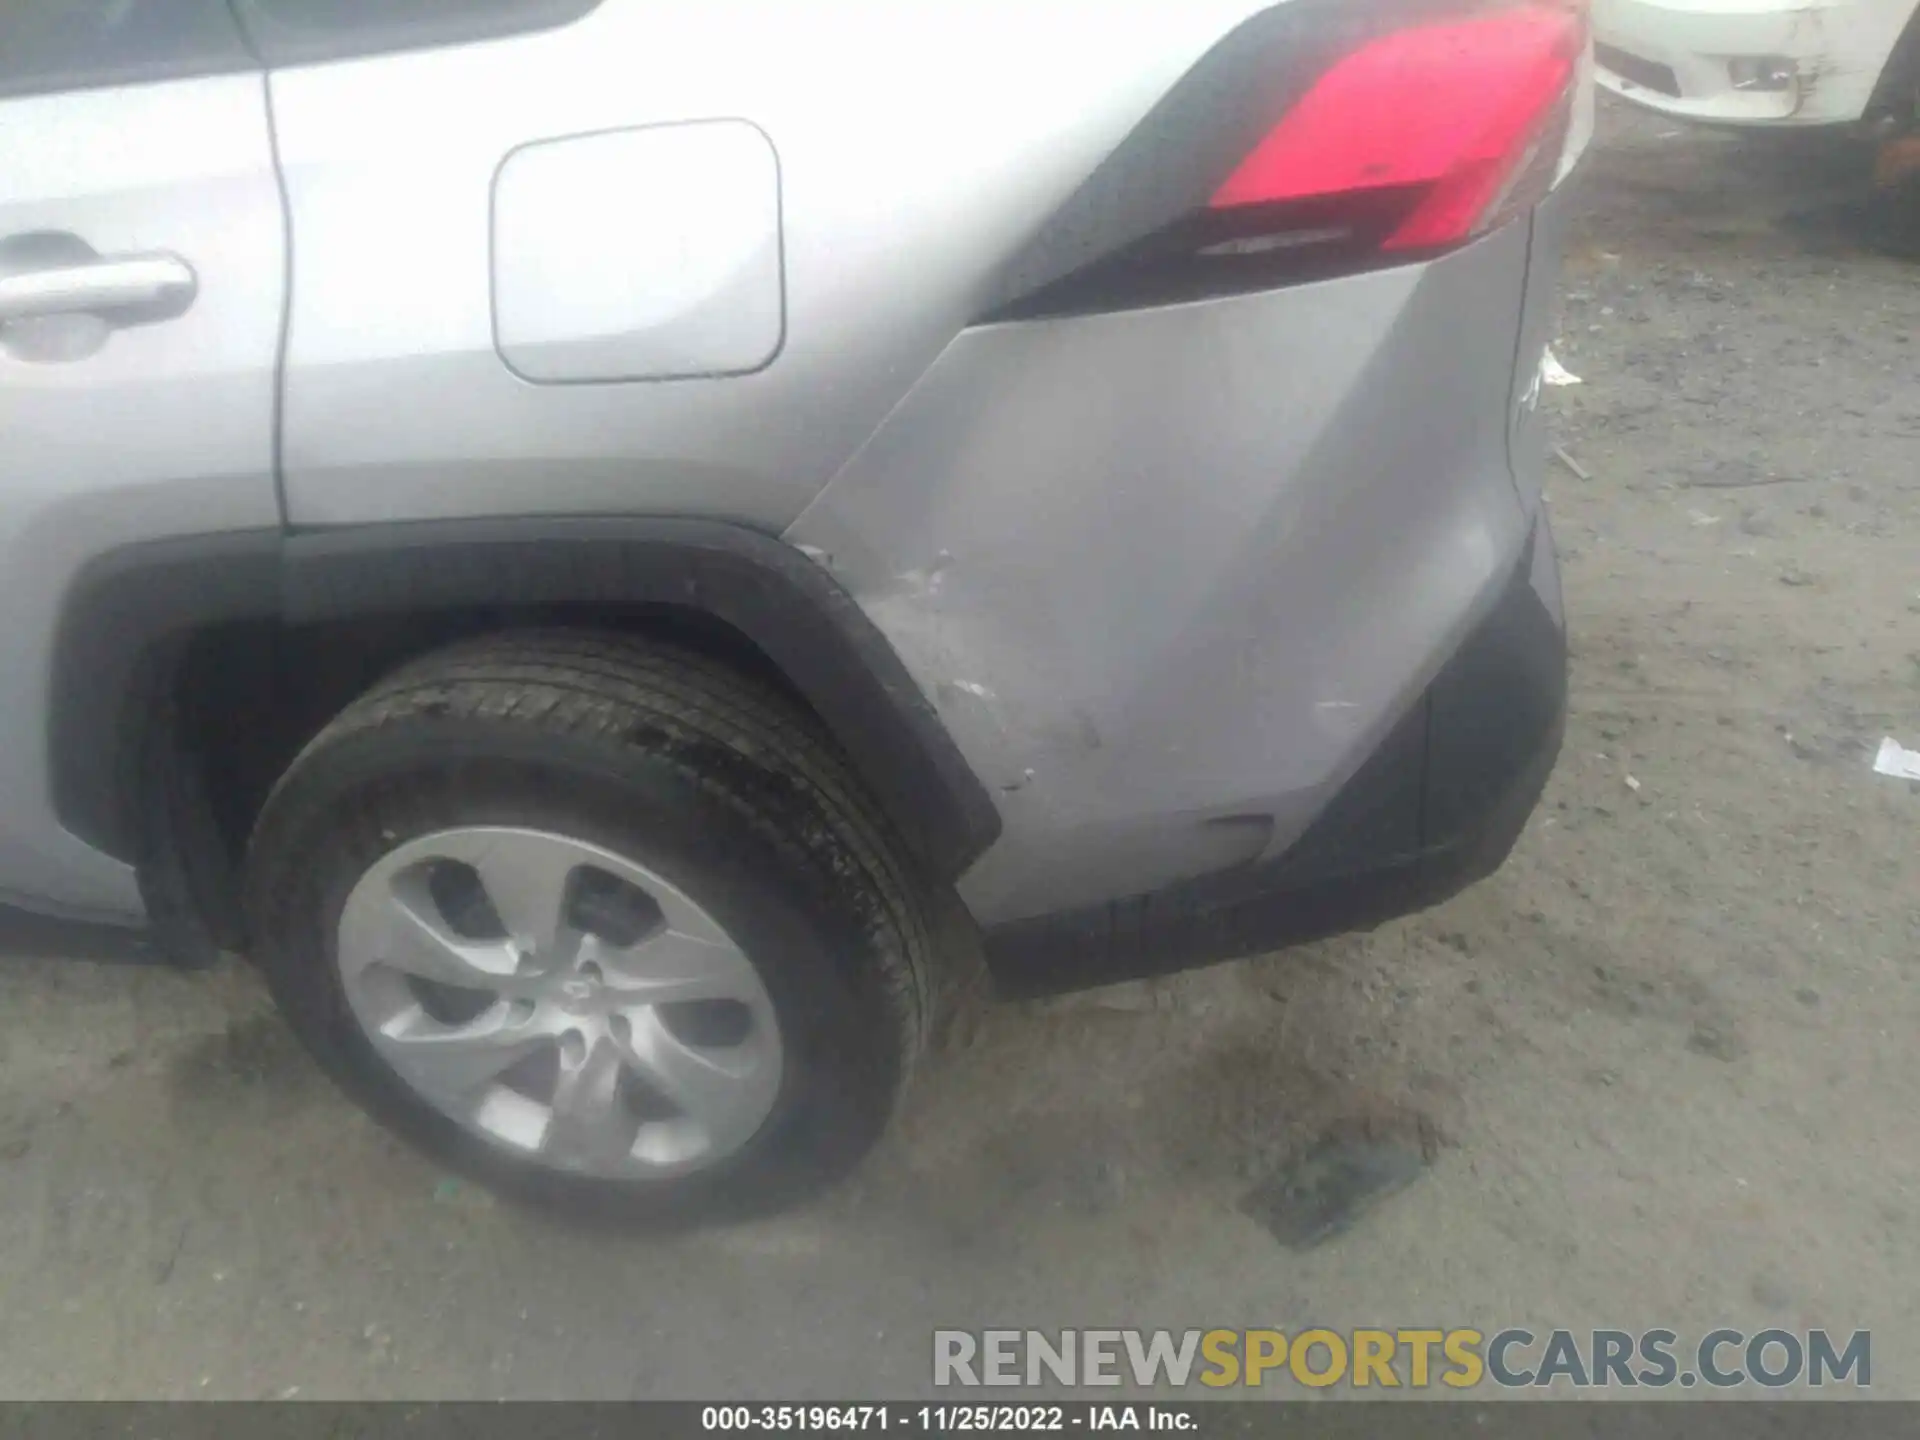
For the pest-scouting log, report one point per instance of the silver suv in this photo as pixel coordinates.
(609, 546)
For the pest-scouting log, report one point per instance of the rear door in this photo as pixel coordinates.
(141, 285)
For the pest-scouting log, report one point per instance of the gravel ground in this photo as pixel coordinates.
(1666, 1053)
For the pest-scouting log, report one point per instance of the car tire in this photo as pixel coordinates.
(675, 776)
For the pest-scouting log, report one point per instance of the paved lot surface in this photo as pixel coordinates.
(1668, 1052)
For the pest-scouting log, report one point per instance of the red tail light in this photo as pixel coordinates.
(1448, 117)
(1321, 138)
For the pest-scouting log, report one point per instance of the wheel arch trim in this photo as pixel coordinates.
(129, 609)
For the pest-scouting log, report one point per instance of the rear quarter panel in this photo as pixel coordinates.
(917, 145)
(1171, 574)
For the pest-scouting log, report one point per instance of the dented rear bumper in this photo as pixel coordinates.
(1437, 807)
(1171, 576)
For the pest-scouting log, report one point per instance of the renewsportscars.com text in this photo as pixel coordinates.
(1411, 1358)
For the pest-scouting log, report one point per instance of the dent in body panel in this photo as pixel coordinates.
(1230, 540)
(1815, 64)
(1843, 49)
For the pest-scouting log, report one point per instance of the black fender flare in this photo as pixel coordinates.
(127, 611)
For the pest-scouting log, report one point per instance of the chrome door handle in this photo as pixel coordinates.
(144, 287)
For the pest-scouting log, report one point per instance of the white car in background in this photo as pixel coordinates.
(1763, 62)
